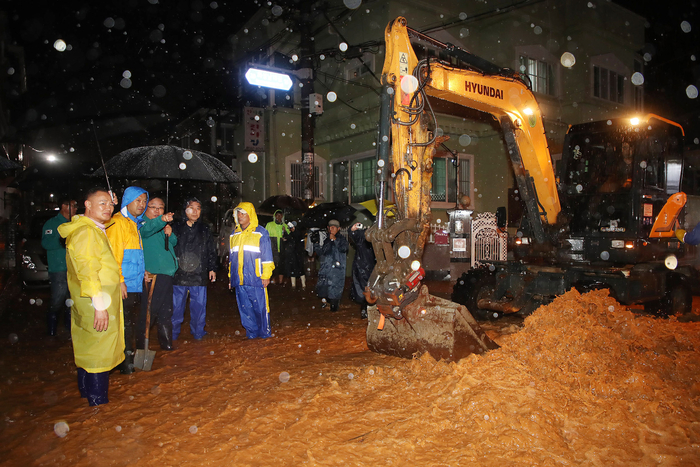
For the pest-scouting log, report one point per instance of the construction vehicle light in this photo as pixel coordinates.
(415, 265)
(634, 121)
(629, 244)
(617, 244)
(671, 262)
(404, 252)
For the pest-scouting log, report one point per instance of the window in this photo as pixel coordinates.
(362, 180)
(540, 74)
(225, 139)
(297, 179)
(608, 85)
(447, 187)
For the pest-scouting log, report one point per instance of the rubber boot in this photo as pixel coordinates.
(294, 282)
(165, 336)
(81, 383)
(363, 311)
(335, 304)
(303, 282)
(127, 366)
(97, 387)
(51, 323)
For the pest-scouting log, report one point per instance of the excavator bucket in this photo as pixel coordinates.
(430, 324)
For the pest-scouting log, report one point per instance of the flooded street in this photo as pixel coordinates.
(580, 383)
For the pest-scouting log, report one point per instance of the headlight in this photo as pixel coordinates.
(27, 262)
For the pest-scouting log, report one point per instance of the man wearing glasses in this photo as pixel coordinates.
(159, 253)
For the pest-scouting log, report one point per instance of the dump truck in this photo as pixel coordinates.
(558, 245)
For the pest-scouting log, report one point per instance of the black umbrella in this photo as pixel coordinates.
(285, 203)
(168, 162)
(319, 216)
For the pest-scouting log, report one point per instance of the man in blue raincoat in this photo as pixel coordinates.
(331, 276)
(125, 239)
(250, 269)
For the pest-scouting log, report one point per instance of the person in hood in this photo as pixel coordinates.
(197, 262)
(277, 229)
(250, 268)
(332, 256)
(362, 266)
(127, 247)
(293, 248)
(94, 281)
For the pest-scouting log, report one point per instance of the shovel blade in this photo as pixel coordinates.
(143, 360)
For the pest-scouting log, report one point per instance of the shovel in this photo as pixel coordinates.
(143, 360)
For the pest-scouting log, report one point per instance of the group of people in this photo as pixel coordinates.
(108, 262)
(116, 268)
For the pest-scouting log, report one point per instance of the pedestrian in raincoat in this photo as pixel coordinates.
(127, 247)
(362, 266)
(331, 275)
(250, 269)
(97, 321)
(197, 263)
(55, 248)
(293, 247)
(161, 265)
(277, 229)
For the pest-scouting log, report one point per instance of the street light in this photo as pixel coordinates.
(268, 79)
(51, 158)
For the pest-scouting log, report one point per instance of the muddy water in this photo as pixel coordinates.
(578, 382)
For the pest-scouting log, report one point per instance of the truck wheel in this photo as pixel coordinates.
(471, 287)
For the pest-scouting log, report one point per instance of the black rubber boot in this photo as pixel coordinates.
(127, 366)
(97, 387)
(334, 304)
(165, 336)
(81, 382)
(363, 311)
(51, 323)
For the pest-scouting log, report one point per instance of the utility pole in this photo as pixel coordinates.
(306, 77)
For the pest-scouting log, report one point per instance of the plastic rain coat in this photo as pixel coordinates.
(362, 265)
(331, 276)
(93, 272)
(250, 252)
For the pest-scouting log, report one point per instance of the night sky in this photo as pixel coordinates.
(139, 57)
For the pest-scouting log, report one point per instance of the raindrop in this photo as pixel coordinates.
(322, 57)
(611, 308)
(39, 302)
(196, 141)
(591, 5)
(685, 26)
(109, 23)
(691, 91)
(295, 57)
(277, 10)
(568, 59)
(125, 83)
(159, 91)
(182, 166)
(537, 30)
(59, 45)
(284, 377)
(237, 333)
(390, 91)
(609, 122)
(118, 428)
(486, 417)
(647, 57)
(371, 372)
(579, 188)
(643, 164)
(32, 301)
(464, 32)
(211, 122)
(350, 376)
(187, 155)
(604, 255)
(462, 16)
(352, 4)
(352, 126)
(492, 267)
(343, 46)
(409, 84)
(61, 429)
(14, 338)
(318, 351)
(696, 141)
(193, 429)
(637, 78)
(214, 199)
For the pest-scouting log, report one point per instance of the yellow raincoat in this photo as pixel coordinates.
(93, 272)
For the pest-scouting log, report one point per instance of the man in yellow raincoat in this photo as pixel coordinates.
(250, 269)
(97, 320)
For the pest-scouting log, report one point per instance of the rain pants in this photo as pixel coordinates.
(331, 276)
(93, 272)
(250, 262)
(126, 243)
(362, 265)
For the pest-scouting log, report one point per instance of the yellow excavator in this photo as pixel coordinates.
(404, 318)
